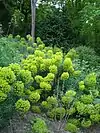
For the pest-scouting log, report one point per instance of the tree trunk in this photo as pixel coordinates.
(33, 12)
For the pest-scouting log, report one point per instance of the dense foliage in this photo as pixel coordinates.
(58, 22)
(40, 83)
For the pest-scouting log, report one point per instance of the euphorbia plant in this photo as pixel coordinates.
(39, 83)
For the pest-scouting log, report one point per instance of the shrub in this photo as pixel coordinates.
(39, 126)
(8, 53)
(51, 82)
(7, 109)
(22, 106)
(88, 55)
(71, 127)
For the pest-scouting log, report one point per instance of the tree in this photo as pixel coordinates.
(33, 12)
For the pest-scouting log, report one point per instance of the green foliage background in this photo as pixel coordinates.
(58, 22)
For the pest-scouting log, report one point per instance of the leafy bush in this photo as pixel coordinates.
(39, 126)
(88, 55)
(7, 109)
(42, 80)
(8, 53)
(71, 127)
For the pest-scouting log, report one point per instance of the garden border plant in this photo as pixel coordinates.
(39, 85)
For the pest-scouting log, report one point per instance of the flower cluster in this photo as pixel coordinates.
(26, 76)
(71, 128)
(18, 88)
(65, 75)
(57, 113)
(87, 99)
(4, 86)
(15, 68)
(22, 106)
(68, 66)
(34, 97)
(7, 74)
(3, 97)
(50, 103)
(90, 80)
(45, 86)
(68, 97)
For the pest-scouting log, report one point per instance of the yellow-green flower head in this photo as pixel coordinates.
(39, 91)
(34, 97)
(97, 107)
(71, 54)
(67, 64)
(53, 69)
(90, 109)
(22, 106)
(95, 93)
(71, 69)
(7, 74)
(76, 73)
(10, 36)
(58, 112)
(95, 117)
(52, 101)
(26, 76)
(27, 91)
(70, 93)
(69, 97)
(49, 53)
(3, 97)
(90, 80)
(56, 49)
(67, 100)
(45, 86)
(36, 109)
(30, 50)
(50, 77)
(87, 99)
(80, 106)
(15, 68)
(28, 36)
(71, 111)
(47, 62)
(4, 86)
(38, 78)
(81, 85)
(35, 45)
(65, 76)
(39, 53)
(39, 41)
(30, 39)
(39, 60)
(58, 59)
(45, 104)
(42, 67)
(41, 46)
(53, 61)
(71, 128)
(59, 54)
(18, 37)
(32, 57)
(74, 121)
(23, 39)
(18, 88)
(33, 69)
(86, 123)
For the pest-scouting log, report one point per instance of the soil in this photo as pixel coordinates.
(18, 125)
